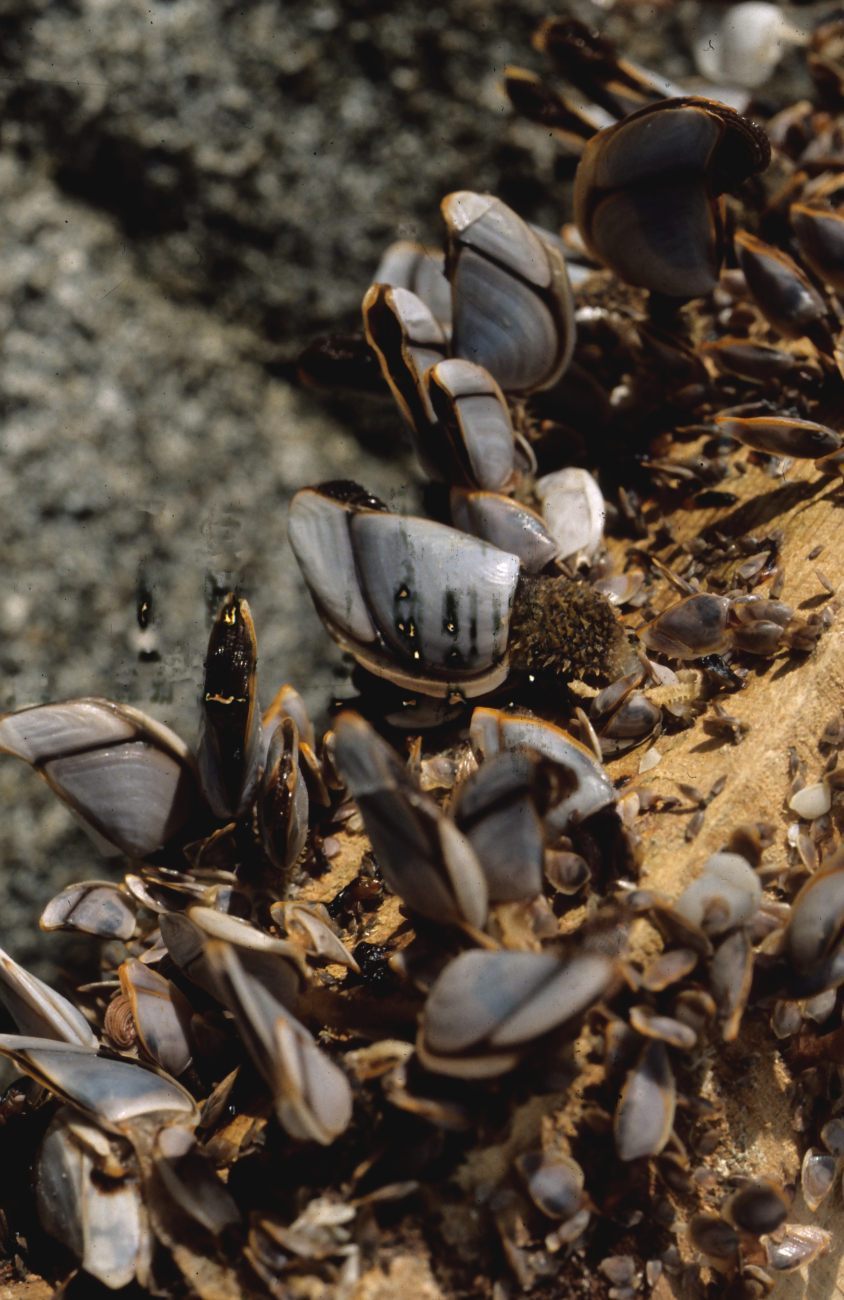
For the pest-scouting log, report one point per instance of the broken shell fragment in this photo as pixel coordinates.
(817, 1175)
(128, 780)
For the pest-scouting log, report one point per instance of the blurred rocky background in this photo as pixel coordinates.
(189, 191)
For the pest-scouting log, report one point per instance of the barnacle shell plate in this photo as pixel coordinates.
(129, 780)
(592, 790)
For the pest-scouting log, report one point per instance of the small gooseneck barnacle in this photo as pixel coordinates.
(820, 234)
(647, 192)
(782, 291)
(513, 311)
(130, 781)
(423, 857)
(432, 609)
(487, 1009)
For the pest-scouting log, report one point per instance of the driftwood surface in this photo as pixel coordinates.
(786, 702)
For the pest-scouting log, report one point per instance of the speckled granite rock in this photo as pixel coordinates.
(259, 156)
(142, 442)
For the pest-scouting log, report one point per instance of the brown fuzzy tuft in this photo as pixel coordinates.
(561, 629)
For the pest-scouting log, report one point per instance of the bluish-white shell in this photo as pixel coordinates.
(591, 789)
(416, 602)
(504, 523)
(512, 303)
(129, 781)
(574, 512)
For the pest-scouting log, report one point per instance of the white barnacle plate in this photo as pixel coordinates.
(116, 1094)
(511, 298)
(439, 598)
(189, 1178)
(318, 528)
(817, 918)
(406, 265)
(100, 1219)
(312, 1096)
(474, 415)
(416, 602)
(486, 1008)
(589, 789)
(574, 512)
(496, 812)
(727, 893)
(38, 1010)
(645, 1111)
(504, 523)
(162, 1015)
(408, 340)
(129, 780)
(94, 907)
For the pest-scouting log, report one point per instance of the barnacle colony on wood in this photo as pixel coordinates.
(350, 982)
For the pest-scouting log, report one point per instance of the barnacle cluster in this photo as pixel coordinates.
(418, 976)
